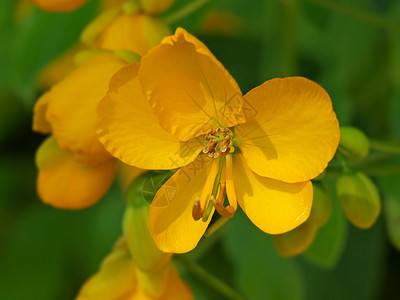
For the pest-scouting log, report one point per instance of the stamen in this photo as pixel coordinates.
(217, 180)
(221, 194)
(230, 188)
(196, 211)
(219, 142)
(201, 202)
(226, 212)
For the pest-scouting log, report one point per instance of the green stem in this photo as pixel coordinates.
(185, 11)
(208, 278)
(385, 146)
(362, 15)
(342, 159)
(370, 171)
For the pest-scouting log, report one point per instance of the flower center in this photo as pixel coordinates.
(219, 143)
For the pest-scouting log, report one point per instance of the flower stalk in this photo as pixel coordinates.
(209, 279)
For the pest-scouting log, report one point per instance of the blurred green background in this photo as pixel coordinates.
(350, 47)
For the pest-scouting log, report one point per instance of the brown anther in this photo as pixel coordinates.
(226, 212)
(196, 211)
(210, 147)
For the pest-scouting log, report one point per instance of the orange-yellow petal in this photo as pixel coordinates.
(136, 32)
(57, 69)
(129, 130)
(116, 279)
(170, 220)
(59, 5)
(293, 133)
(295, 241)
(273, 206)
(63, 182)
(40, 123)
(175, 288)
(72, 104)
(188, 88)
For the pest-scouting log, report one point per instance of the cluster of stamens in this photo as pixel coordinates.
(219, 143)
(224, 211)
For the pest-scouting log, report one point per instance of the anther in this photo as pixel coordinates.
(219, 142)
(196, 211)
(226, 212)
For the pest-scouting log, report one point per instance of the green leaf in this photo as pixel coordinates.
(359, 273)
(49, 253)
(260, 273)
(329, 243)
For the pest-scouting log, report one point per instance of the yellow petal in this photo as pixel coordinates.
(40, 124)
(171, 222)
(62, 182)
(116, 279)
(129, 130)
(293, 132)
(143, 32)
(72, 104)
(153, 283)
(59, 5)
(188, 88)
(273, 206)
(56, 70)
(175, 288)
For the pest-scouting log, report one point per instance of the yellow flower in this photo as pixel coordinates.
(120, 279)
(260, 149)
(74, 168)
(59, 5)
(75, 171)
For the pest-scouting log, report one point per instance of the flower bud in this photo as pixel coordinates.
(322, 205)
(154, 283)
(59, 5)
(359, 198)
(127, 56)
(115, 279)
(296, 241)
(145, 253)
(91, 33)
(82, 56)
(155, 6)
(353, 142)
(144, 32)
